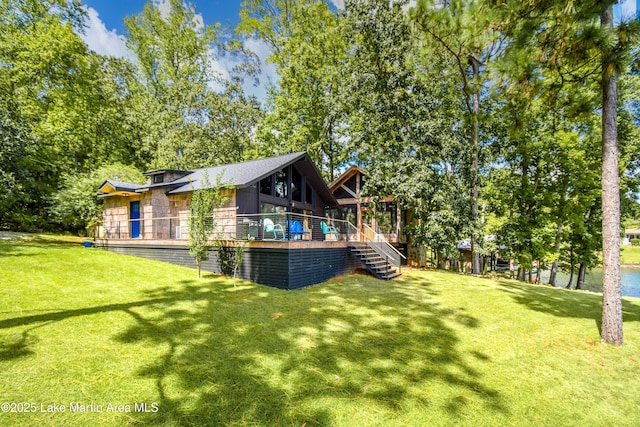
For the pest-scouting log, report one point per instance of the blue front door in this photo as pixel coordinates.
(134, 216)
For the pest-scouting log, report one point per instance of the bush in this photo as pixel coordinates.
(635, 242)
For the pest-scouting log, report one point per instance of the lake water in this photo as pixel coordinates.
(593, 280)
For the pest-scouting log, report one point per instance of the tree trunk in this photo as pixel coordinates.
(570, 278)
(554, 273)
(582, 272)
(512, 267)
(538, 273)
(571, 268)
(475, 138)
(611, 283)
(441, 261)
(554, 266)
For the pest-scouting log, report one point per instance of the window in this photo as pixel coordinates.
(281, 184)
(266, 186)
(296, 185)
(269, 208)
(308, 194)
(158, 179)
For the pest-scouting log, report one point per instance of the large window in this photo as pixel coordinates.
(266, 186)
(281, 184)
(287, 183)
(308, 194)
(269, 208)
(296, 185)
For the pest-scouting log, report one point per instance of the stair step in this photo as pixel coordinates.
(363, 250)
(374, 262)
(377, 263)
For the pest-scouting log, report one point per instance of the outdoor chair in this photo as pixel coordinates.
(329, 231)
(270, 227)
(296, 231)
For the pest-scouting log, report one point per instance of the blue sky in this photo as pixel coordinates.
(105, 33)
(112, 12)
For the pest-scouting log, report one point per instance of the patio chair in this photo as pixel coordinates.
(295, 230)
(329, 231)
(270, 227)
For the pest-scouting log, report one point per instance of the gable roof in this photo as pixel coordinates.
(353, 170)
(159, 171)
(239, 175)
(112, 188)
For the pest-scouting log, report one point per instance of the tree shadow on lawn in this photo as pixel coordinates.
(565, 303)
(14, 346)
(258, 355)
(17, 249)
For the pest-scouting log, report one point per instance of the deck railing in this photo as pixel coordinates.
(281, 226)
(382, 247)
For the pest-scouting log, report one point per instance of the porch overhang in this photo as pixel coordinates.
(114, 188)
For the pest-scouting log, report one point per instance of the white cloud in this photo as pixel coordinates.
(103, 41)
(628, 8)
(339, 4)
(268, 73)
(165, 7)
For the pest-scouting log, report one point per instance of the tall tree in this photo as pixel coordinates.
(464, 31)
(189, 115)
(400, 116)
(570, 37)
(611, 281)
(308, 50)
(61, 106)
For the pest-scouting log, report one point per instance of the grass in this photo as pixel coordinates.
(86, 326)
(630, 254)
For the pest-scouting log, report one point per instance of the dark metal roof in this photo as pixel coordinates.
(235, 174)
(159, 171)
(248, 173)
(240, 175)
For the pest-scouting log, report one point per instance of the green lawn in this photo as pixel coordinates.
(630, 254)
(83, 326)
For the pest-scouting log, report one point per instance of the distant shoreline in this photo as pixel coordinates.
(630, 265)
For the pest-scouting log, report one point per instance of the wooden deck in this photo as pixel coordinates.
(275, 244)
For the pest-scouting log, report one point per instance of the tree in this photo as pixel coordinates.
(202, 221)
(308, 50)
(463, 30)
(183, 121)
(400, 114)
(569, 37)
(61, 109)
(611, 281)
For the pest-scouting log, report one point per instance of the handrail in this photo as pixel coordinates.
(380, 238)
(234, 226)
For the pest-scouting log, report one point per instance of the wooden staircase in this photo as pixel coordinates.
(377, 265)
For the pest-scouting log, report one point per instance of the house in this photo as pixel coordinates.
(383, 217)
(275, 207)
(630, 234)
